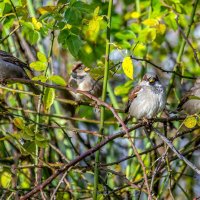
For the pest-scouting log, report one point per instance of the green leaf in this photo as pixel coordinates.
(2, 6)
(41, 78)
(58, 80)
(42, 144)
(171, 21)
(81, 6)
(125, 35)
(19, 123)
(49, 97)
(62, 37)
(73, 16)
(123, 89)
(25, 136)
(147, 35)
(38, 66)
(33, 37)
(74, 44)
(41, 57)
(40, 137)
(30, 146)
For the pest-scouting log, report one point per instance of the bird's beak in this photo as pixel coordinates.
(86, 69)
(152, 80)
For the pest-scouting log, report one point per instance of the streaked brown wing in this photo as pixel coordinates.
(7, 57)
(132, 95)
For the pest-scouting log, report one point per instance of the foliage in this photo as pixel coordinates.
(40, 134)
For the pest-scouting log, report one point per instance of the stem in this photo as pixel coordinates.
(181, 50)
(105, 81)
(113, 99)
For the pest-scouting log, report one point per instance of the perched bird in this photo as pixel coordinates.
(188, 103)
(12, 67)
(80, 79)
(147, 99)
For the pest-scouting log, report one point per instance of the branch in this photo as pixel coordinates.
(77, 160)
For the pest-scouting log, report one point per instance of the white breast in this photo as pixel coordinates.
(148, 103)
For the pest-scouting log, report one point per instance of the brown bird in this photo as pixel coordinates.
(12, 67)
(188, 103)
(81, 79)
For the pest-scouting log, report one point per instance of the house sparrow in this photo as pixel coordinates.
(147, 99)
(12, 67)
(191, 106)
(80, 79)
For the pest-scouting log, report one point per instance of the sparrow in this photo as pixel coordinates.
(189, 105)
(12, 67)
(147, 99)
(81, 79)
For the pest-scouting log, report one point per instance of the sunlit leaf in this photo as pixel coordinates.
(58, 80)
(5, 178)
(135, 15)
(37, 25)
(161, 28)
(151, 22)
(46, 9)
(41, 78)
(190, 122)
(41, 57)
(49, 97)
(127, 66)
(38, 65)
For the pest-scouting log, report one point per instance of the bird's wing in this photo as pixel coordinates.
(132, 96)
(7, 57)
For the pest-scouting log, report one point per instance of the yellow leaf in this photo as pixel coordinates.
(161, 28)
(37, 25)
(190, 122)
(5, 179)
(135, 15)
(46, 9)
(150, 22)
(19, 123)
(127, 66)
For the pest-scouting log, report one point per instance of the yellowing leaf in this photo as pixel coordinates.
(150, 22)
(127, 66)
(46, 9)
(19, 122)
(37, 25)
(190, 122)
(135, 15)
(49, 97)
(5, 179)
(147, 35)
(161, 28)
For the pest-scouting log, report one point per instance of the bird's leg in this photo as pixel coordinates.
(148, 122)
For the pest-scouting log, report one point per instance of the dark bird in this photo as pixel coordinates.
(12, 67)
